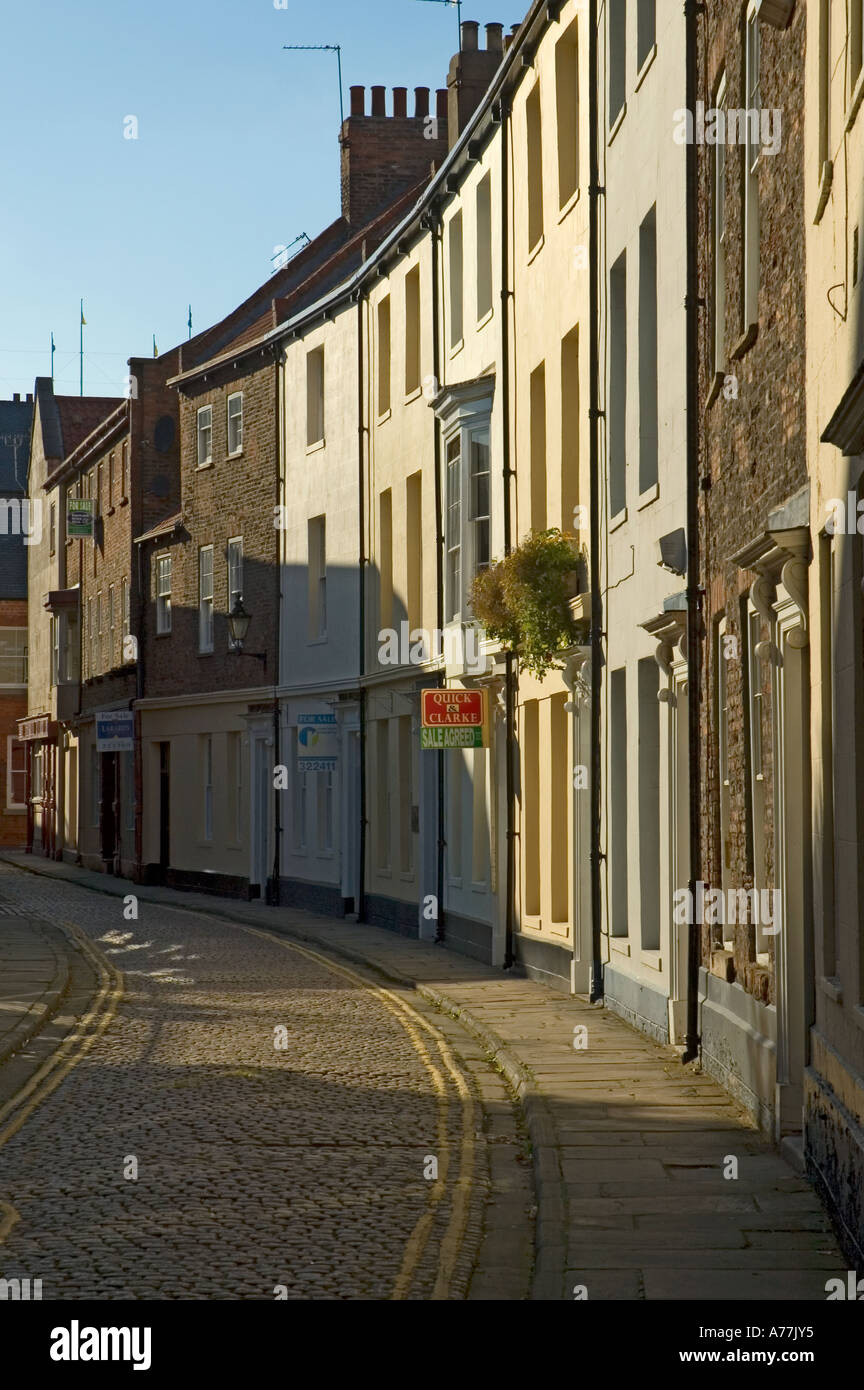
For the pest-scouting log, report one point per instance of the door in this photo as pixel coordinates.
(108, 808)
(259, 859)
(164, 805)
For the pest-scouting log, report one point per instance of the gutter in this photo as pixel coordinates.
(596, 639)
(360, 905)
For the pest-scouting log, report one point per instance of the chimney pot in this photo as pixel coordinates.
(30, 396)
(470, 35)
(400, 102)
(442, 103)
(421, 101)
(379, 106)
(514, 30)
(495, 38)
(358, 101)
(16, 395)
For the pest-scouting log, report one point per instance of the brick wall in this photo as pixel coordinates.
(232, 497)
(13, 705)
(383, 155)
(753, 454)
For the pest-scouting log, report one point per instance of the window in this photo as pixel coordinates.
(719, 230)
(16, 774)
(13, 656)
(384, 356)
(533, 850)
(480, 501)
(37, 777)
(723, 752)
(756, 712)
(317, 540)
(455, 245)
(618, 857)
(382, 731)
(454, 527)
(102, 627)
(534, 122)
(648, 352)
(412, 331)
(205, 598)
(235, 423)
(648, 680)
(163, 593)
(385, 567)
(414, 556)
(98, 508)
(235, 784)
(856, 30)
(567, 102)
(569, 429)
(110, 480)
(617, 58)
(616, 424)
(646, 26)
(55, 650)
(205, 435)
(127, 774)
(124, 463)
(95, 779)
(52, 527)
(538, 447)
(315, 397)
(298, 818)
(112, 627)
(207, 779)
(91, 637)
(124, 608)
(324, 799)
(484, 247)
(235, 571)
(751, 151)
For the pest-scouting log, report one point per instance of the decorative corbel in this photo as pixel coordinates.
(762, 593)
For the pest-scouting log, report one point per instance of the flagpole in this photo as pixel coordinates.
(190, 321)
(52, 357)
(81, 347)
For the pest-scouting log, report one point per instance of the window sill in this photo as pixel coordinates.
(826, 182)
(124, 502)
(317, 641)
(652, 959)
(479, 887)
(384, 873)
(111, 510)
(855, 103)
(314, 448)
(204, 844)
(616, 124)
(621, 944)
(832, 987)
(648, 496)
(618, 519)
(237, 454)
(384, 416)
(164, 634)
(715, 389)
(646, 66)
(200, 653)
(487, 317)
(569, 205)
(201, 467)
(457, 347)
(535, 250)
(745, 342)
(413, 395)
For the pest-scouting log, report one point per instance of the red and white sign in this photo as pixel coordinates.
(453, 709)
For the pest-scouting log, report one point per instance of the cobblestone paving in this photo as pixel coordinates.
(257, 1167)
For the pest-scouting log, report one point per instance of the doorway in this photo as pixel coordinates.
(164, 806)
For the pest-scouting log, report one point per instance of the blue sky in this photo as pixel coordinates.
(237, 152)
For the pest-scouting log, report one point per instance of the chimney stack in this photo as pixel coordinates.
(29, 397)
(383, 156)
(470, 75)
(16, 395)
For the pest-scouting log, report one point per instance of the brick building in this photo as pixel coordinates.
(754, 549)
(15, 420)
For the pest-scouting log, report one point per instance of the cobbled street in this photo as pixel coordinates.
(284, 1115)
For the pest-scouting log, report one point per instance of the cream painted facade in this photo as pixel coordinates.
(643, 451)
(834, 1080)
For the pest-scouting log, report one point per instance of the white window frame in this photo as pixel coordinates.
(205, 599)
(234, 570)
(11, 803)
(752, 154)
(124, 470)
(471, 424)
(204, 420)
(20, 655)
(719, 235)
(163, 593)
(232, 427)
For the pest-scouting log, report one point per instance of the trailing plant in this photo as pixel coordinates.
(523, 600)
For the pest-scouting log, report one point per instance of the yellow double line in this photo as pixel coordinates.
(68, 1053)
(413, 1021)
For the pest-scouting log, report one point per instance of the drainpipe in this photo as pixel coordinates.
(694, 597)
(508, 474)
(274, 894)
(360, 905)
(434, 224)
(594, 194)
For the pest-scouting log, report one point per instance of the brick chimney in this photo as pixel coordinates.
(382, 156)
(471, 72)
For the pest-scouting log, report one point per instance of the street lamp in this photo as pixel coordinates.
(238, 626)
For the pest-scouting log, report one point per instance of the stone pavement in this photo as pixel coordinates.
(651, 1183)
(34, 977)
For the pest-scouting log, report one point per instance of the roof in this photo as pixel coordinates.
(79, 416)
(16, 418)
(163, 528)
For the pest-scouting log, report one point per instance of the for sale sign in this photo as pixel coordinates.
(79, 517)
(453, 719)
